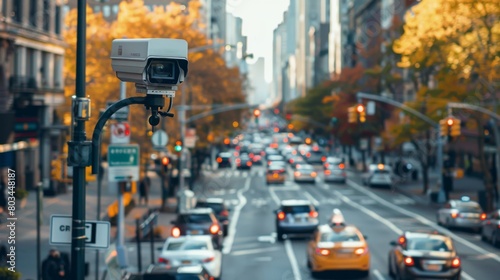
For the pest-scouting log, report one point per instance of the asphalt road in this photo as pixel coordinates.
(251, 250)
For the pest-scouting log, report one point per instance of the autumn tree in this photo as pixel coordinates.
(451, 47)
(209, 80)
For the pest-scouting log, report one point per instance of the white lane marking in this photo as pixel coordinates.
(423, 221)
(466, 276)
(293, 260)
(227, 174)
(254, 251)
(286, 187)
(378, 275)
(370, 213)
(263, 259)
(236, 173)
(245, 174)
(267, 238)
(228, 241)
(311, 198)
(274, 196)
(261, 173)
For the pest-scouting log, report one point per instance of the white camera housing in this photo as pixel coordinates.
(155, 65)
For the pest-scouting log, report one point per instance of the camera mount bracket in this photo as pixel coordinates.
(168, 91)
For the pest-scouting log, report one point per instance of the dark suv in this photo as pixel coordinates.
(219, 208)
(418, 255)
(224, 160)
(198, 221)
(296, 216)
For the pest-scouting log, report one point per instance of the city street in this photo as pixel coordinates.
(251, 250)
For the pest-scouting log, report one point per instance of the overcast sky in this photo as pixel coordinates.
(260, 18)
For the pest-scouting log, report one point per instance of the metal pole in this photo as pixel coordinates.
(38, 224)
(182, 120)
(151, 238)
(99, 187)
(497, 159)
(78, 209)
(439, 159)
(120, 226)
(138, 240)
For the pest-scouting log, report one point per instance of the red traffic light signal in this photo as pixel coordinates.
(288, 116)
(360, 108)
(165, 161)
(449, 122)
(256, 112)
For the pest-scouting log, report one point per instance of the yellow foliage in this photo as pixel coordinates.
(209, 79)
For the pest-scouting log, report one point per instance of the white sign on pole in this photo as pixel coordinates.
(123, 163)
(120, 133)
(190, 138)
(159, 139)
(370, 108)
(96, 232)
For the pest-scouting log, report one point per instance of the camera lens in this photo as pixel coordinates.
(161, 70)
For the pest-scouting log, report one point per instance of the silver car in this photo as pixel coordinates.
(296, 217)
(491, 228)
(304, 173)
(462, 213)
(335, 174)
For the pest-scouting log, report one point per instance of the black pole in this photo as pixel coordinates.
(99, 187)
(38, 223)
(78, 223)
(151, 238)
(138, 241)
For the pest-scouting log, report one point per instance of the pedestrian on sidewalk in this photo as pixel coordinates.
(54, 267)
(144, 186)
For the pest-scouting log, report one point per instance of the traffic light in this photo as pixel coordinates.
(443, 125)
(227, 141)
(164, 162)
(361, 112)
(276, 111)
(178, 146)
(56, 169)
(236, 124)
(352, 115)
(256, 113)
(288, 116)
(455, 127)
(89, 177)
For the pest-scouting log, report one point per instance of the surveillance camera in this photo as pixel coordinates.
(155, 65)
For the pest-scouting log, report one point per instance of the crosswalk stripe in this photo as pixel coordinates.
(236, 173)
(245, 174)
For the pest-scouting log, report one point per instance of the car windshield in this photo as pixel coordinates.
(216, 207)
(428, 244)
(379, 171)
(195, 218)
(306, 168)
(341, 236)
(187, 277)
(469, 207)
(187, 245)
(296, 209)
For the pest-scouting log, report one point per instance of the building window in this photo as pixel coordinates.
(33, 13)
(17, 11)
(97, 9)
(4, 9)
(45, 69)
(57, 20)
(106, 11)
(46, 15)
(58, 64)
(115, 9)
(30, 63)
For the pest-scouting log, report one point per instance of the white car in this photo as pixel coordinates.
(192, 250)
(304, 173)
(379, 175)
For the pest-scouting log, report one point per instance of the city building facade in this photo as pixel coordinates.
(31, 87)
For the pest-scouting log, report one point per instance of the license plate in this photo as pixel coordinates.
(298, 219)
(433, 267)
(343, 255)
(275, 175)
(194, 232)
(186, 262)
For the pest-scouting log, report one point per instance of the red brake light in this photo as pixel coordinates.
(238, 160)
(313, 174)
(326, 165)
(214, 229)
(219, 160)
(308, 155)
(341, 166)
(328, 172)
(162, 260)
(262, 153)
(237, 148)
(296, 173)
(209, 259)
(224, 213)
(281, 216)
(409, 261)
(483, 216)
(455, 263)
(323, 158)
(454, 215)
(322, 252)
(251, 155)
(249, 163)
(176, 232)
(313, 214)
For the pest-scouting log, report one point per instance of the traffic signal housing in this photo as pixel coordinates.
(56, 169)
(164, 163)
(455, 129)
(256, 113)
(351, 114)
(443, 127)
(178, 146)
(361, 113)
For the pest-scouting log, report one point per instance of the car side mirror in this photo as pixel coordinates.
(394, 243)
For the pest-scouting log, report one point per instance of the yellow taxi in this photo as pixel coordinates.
(337, 246)
(275, 174)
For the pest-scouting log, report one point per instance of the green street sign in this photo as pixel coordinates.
(123, 162)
